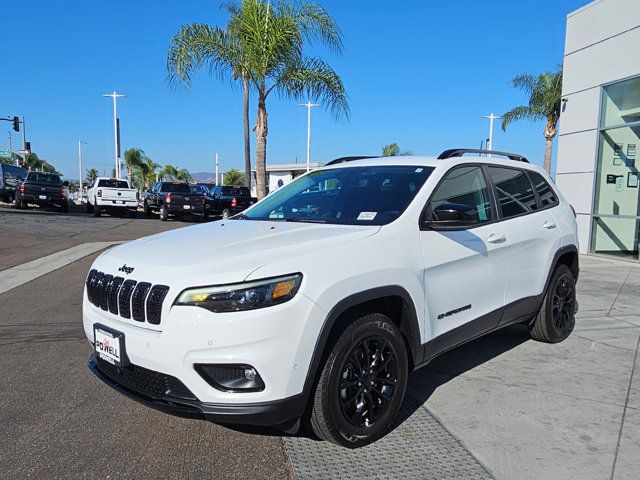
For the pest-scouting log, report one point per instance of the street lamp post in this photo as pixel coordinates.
(115, 96)
(80, 143)
(309, 105)
(491, 118)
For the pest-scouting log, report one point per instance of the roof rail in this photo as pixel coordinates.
(458, 152)
(349, 159)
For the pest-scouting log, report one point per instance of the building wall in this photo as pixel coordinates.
(602, 46)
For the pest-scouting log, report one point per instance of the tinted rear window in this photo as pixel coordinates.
(175, 187)
(44, 178)
(236, 191)
(113, 183)
(547, 196)
(515, 194)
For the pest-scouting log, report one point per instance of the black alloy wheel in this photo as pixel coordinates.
(368, 381)
(556, 318)
(361, 384)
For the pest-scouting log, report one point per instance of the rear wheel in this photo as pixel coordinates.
(146, 209)
(362, 383)
(89, 208)
(64, 208)
(556, 318)
(133, 213)
(11, 198)
(97, 210)
(18, 204)
(164, 214)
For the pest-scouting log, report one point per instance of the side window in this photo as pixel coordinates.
(547, 196)
(464, 194)
(513, 190)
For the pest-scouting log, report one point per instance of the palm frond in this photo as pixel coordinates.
(311, 78)
(523, 112)
(525, 82)
(315, 23)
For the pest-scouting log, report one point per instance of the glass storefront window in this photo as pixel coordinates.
(621, 103)
(616, 222)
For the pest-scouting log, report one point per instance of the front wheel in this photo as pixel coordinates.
(97, 210)
(164, 214)
(556, 318)
(146, 210)
(362, 383)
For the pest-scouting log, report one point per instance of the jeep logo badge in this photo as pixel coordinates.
(125, 269)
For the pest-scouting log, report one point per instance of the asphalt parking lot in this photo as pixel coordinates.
(501, 407)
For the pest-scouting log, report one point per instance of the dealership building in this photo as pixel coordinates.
(599, 139)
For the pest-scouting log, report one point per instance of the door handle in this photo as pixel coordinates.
(549, 225)
(496, 238)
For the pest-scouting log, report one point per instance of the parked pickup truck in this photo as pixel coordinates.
(10, 179)
(229, 200)
(43, 189)
(174, 199)
(113, 196)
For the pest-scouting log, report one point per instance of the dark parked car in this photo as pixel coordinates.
(43, 189)
(10, 178)
(174, 199)
(229, 200)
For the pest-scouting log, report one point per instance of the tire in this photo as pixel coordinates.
(11, 198)
(556, 318)
(341, 422)
(133, 213)
(64, 208)
(146, 209)
(97, 210)
(89, 208)
(18, 204)
(226, 213)
(164, 215)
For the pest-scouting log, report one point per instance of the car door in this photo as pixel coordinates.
(465, 260)
(533, 237)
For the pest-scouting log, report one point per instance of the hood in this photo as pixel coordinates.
(223, 251)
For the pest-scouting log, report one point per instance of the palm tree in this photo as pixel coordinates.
(198, 46)
(233, 176)
(133, 159)
(92, 174)
(146, 172)
(272, 39)
(183, 175)
(393, 149)
(169, 171)
(545, 102)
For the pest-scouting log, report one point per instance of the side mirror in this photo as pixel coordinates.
(452, 215)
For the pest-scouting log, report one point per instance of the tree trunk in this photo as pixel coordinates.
(549, 133)
(261, 146)
(129, 173)
(245, 118)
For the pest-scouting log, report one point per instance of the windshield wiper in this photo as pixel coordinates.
(304, 220)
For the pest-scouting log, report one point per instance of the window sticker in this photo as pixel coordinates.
(418, 170)
(367, 215)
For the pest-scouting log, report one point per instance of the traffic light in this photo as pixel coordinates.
(27, 146)
(16, 124)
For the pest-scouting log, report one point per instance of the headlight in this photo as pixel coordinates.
(242, 296)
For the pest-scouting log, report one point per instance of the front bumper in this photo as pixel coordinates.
(272, 413)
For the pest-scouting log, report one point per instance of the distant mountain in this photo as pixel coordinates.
(204, 177)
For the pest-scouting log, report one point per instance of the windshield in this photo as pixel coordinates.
(175, 187)
(113, 183)
(349, 195)
(44, 178)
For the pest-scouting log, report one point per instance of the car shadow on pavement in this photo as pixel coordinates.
(425, 381)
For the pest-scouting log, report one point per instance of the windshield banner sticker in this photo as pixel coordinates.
(367, 215)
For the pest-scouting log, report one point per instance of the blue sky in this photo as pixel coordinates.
(419, 73)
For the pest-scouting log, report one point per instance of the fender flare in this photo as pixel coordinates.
(409, 326)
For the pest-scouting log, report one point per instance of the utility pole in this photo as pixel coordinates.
(9, 134)
(309, 105)
(116, 139)
(80, 142)
(491, 118)
(217, 170)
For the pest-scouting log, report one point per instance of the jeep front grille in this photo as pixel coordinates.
(126, 298)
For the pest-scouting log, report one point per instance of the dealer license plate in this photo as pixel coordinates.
(42, 197)
(109, 345)
(186, 207)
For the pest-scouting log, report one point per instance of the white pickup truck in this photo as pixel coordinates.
(111, 195)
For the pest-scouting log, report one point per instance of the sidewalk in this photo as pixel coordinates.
(523, 409)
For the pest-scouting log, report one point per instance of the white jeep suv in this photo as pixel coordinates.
(318, 301)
